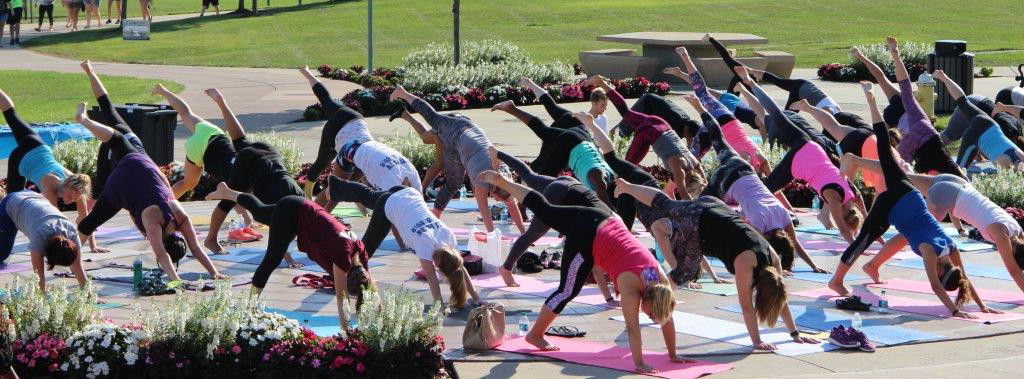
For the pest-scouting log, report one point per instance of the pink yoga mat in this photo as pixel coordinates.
(15, 267)
(923, 287)
(576, 350)
(541, 288)
(462, 234)
(904, 304)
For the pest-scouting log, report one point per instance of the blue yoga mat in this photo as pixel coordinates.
(50, 134)
(321, 325)
(255, 256)
(972, 269)
(964, 244)
(875, 328)
(391, 244)
(460, 205)
(803, 273)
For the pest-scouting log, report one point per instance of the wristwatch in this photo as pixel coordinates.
(794, 334)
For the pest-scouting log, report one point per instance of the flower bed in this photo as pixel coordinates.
(225, 335)
(914, 55)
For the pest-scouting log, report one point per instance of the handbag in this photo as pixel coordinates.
(485, 328)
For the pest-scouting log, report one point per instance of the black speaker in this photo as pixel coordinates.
(950, 48)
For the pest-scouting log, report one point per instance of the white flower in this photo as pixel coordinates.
(88, 359)
(64, 367)
(81, 351)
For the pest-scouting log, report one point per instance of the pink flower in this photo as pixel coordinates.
(179, 365)
(337, 362)
(236, 349)
(360, 368)
(32, 363)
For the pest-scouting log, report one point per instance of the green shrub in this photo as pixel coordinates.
(472, 53)
(413, 148)
(1003, 187)
(79, 156)
(914, 55)
(290, 154)
(483, 64)
(986, 72)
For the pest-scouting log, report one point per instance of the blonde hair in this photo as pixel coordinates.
(449, 262)
(662, 302)
(78, 182)
(598, 94)
(769, 296)
(853, 218)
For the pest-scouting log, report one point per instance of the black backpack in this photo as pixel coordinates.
(530, 263)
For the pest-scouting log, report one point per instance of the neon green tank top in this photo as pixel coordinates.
(195, 146)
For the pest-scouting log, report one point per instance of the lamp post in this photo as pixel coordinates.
(369, 35)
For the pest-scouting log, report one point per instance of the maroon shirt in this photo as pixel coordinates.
(320, 237)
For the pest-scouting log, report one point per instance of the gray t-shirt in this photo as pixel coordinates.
(38, 219)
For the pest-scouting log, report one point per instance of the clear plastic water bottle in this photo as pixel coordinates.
(883, 303)
(816, 203)
(857, 321)
(504, 214)
(462, 192)
(232, 226)
(136, 274)
(353, 320)
(524, 326)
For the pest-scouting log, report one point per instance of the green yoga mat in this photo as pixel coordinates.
(715, 288)
(346, 211)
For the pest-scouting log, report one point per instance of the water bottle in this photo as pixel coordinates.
(857, 321)
(232, 226)
(353, 320)
(136, 274)
(524, 326)
(462, 192)
(504, 214)
(883, 303)
(816, 203)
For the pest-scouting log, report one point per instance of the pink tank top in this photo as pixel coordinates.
(812, 165)
(740, 141)
(616, 251)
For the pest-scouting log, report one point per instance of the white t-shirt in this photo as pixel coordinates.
(602, 122)
(385, 167)
(352, 130)
(1017, 96)
(418, 227)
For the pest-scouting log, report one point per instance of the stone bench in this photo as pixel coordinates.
(617, 64)
(780, 63)
(717, 74)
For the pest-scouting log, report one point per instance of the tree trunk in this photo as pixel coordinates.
(455, 31)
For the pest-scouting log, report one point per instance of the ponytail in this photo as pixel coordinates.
(769, 295)
(449, 262)
(358, 283)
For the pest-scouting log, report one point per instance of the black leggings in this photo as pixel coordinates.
(676, 117)
(897, 184)
(45, 10)
(352, 192)
(561, 191)
(979, 123)
(555, 146)
(338, 115)
(104, 161)
(730, 62)
(26, 139)
(789, 85)
(932, 156)
(563, 119)
(102, 211)
(625, 205)
(281, 218)
(579, 225)
(259, 169)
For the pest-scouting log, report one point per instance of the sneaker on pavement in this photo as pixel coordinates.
(239, 235)
(252, 232)
(842, 337)
(862, 340)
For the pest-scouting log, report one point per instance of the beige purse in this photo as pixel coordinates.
(485, 328)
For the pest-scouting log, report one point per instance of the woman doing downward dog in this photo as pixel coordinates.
(654, 132)
(52, 238)
(708, 225)
(563, 190)
(343, 125)
(138, 185)
(807, 160)
(322, 237)
(33, 161)
(903, 206)
(563, 119)
(429, 137)
(655, 105)
(465, 152)
(1007, 118)
(983, 135)
(735, 179)
(596, 237)
(431, 240)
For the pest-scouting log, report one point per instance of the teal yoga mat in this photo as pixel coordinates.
(322, 325)
(803, 273)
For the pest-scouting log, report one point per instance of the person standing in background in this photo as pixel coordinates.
(74, 6)
(207, 4)
(144, 5)
(5, 12)
(14, 20)
(109, 4)
(92, 7)
(45, 8)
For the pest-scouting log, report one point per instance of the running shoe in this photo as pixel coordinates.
(252, 232)
(862, 340)
(239, 235)
(842, 337)
(853, 303)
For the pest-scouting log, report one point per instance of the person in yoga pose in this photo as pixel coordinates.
(138, 185)
(403, 207)
(1012, 95)
(807, 160)
(52, 238)
(465, 147)
(983, 135)
(1007, 118)
(33, 161)
(596, 237)
(654, 132)
(343, 125)
(322, 237)
(656, 105)
(736, 179)
(563, 190)
(688, 128)
(429, 137)
(730, 127)
(693, 224)
(563, 119)
(570, 147)
(903, 206)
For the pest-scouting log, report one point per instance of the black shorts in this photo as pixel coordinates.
(15, 17)
(215, 3)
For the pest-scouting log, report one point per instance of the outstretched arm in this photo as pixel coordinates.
(888, 89)
(601, 140)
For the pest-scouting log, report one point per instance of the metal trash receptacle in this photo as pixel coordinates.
(951, 57)
(154, 124)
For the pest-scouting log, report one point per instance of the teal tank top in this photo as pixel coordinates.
(585, 157)
(39, 162)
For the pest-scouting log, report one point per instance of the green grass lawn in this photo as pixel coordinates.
(163, 7)
(335, 32)
(45, 96)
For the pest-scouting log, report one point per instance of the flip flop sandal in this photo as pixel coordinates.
(853, 303)
(312, 281)
(564, 331)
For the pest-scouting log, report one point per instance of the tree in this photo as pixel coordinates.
(455, 31)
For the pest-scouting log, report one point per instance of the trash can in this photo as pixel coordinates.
(153, 123)
(951, 56)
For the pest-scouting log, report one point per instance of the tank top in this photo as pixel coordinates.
(911, 218)
(978, 210)
(993, 143)
(354, 130)
(812, 165)
(585, 157)
(760, 208)
(136, 184)
(616, 251)
(739, 140)
(37, 163)
(33, 215)
(195, 145)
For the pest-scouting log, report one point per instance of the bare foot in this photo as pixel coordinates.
(504, 106)
(213, 245)
(159, 89)
(306, 72)
(682, 53)
(674, 71)
(585, 117)
(80, 114)
(826, 221)
(741, 71)
(867, 86)
(398, 93)
(840, 288)
(846, 165)
(999, 108)
(506, 275)
(694, 101)
(939, 74)
(221, 193)
(892, 44)
(706, 38)
(872, 272)
(801, 105)
(596, 81)
(214, 94)
(541, 343)
(620, 186)
(489, 177)
(855, 52)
